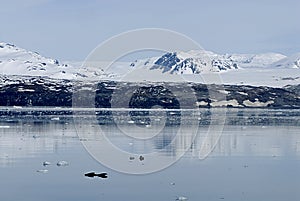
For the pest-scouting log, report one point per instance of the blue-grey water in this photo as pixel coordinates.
(257, 157)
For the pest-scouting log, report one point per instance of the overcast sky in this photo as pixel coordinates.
(69, 30)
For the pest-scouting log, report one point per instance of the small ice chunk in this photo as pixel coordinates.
(17, 107)
(45, 163)
(35, 136)
(55, 119)
(181, 198)
(4, 126)
(42, 171)
(62, 163)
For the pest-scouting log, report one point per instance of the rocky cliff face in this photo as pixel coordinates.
(37, 91)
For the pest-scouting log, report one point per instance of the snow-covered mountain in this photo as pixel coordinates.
(269, 69)
(18, 61)
(288, 62)
(201, 61)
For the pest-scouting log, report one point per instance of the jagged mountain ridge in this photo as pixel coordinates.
(201, 61)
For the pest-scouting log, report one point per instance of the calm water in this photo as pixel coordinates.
(257, 157)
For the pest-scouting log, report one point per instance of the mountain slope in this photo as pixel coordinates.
(288, 62)
(18, 61)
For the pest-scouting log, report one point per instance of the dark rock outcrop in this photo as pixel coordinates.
(38, 91)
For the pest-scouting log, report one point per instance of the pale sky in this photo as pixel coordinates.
(69, 30)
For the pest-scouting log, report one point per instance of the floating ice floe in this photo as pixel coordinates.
(42, 171)
(4, 126)
(181, 198)
(62, 163)
(45, 163)
(17, 107)
(55, 119)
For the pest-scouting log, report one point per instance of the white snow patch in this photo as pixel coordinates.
(242, 93)
(224, 92)
(257, 103)
(25, 90)
(232, 102)
(201, 103)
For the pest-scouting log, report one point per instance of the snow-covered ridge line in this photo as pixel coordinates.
(18, 61)
(270, 69)
(202, 61)
(289, 62)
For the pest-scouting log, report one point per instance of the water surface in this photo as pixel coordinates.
(256, 158)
